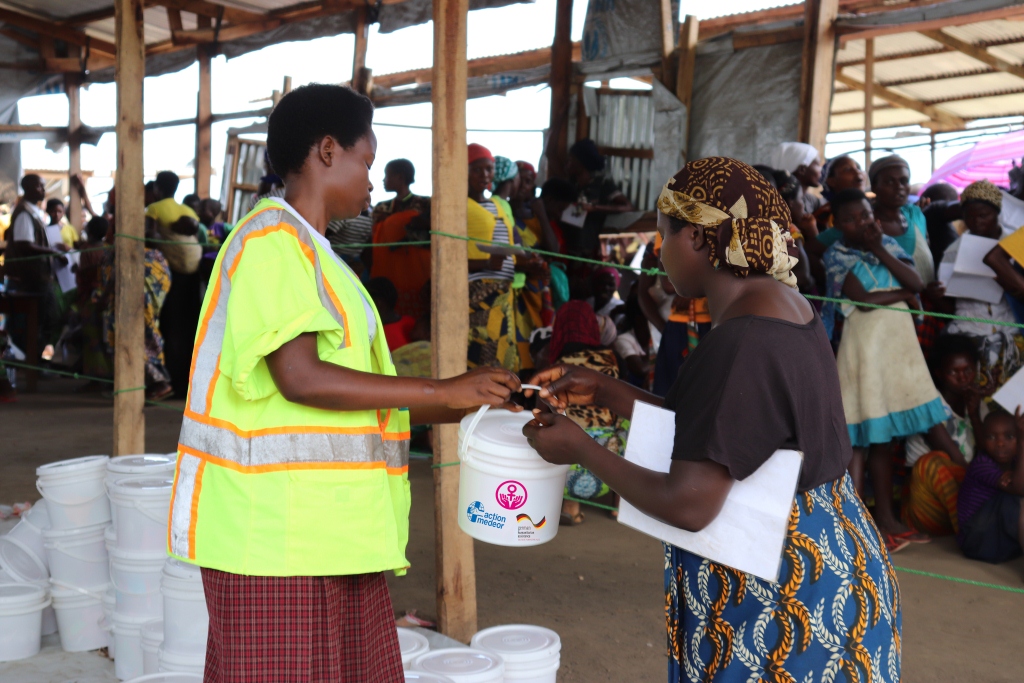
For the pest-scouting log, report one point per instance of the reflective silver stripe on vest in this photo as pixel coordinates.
(181, 511)
(274, 449)
(208, 353)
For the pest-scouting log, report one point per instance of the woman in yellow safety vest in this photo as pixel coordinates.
(291, 491)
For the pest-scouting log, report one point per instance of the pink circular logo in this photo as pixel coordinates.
(511, 495)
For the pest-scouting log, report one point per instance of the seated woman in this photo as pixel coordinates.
(1001, 347)
(938, 458)
(763, 379)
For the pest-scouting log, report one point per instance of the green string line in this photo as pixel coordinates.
(591, 503)
(957, 579)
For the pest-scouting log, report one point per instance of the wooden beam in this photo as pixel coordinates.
(204, 121)
(231, 15)
(52, 30)
(360, 79)
(848, 33)
(21, 38)
(627, 152)
(453, 549)
(73, 90)
(174, 19)
(88, 17)
(560, 81)
(976, 52)
(129, 265)
(485, 66)
(747, 39)
(689, 35)
(869, 96)
(819, 58)
(668, 45)
(899, 100)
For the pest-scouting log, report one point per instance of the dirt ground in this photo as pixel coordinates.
(598, 585)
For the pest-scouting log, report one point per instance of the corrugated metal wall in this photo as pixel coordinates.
(622, 123)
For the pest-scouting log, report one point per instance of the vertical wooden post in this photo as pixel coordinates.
(129, 302)
(561, 89)
(204, 123)
(360, 79)
(72, 88)
(668, 45)
(689, 34)
(931, 148)
(869, 97)
(818, 74)
(453, 549)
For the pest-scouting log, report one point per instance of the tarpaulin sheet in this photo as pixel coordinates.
(615, 28)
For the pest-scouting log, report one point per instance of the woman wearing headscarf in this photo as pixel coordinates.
(1001, 347)
(804, 163)
(764, 379)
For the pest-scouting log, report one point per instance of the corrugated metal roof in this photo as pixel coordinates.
(964, 86)
(884, 118)
(987, 31)
(987, 107)
(886, 46)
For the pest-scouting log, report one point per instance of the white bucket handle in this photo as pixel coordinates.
(113, 582)
(464, 448)
(39, 487)
(57, 545)
(79, 589)
(39, 561)
(159, 519)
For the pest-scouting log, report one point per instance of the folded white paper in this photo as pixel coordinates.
(750, 531)
(1011, 395)
(65, 274)
(969, 277)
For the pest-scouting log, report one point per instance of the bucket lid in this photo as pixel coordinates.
(128, 557)
(424, 677)
(20, 562)
(130, 622)
(177, 569)
(169, 677)
(143, 487)
(141, 464)
(73, 466)
(81, 532)
(469, 665)
(16, 595)
(412, 643)
(500, 432)
(67, 594)
(518, 643)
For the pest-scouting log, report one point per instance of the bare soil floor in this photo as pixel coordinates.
(599, 585)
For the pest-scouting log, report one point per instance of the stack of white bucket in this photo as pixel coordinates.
(25, 610)
(517, 653)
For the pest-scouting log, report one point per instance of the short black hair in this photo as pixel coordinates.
(97, 228)
(191, 199)
(403, 167)
(588, 154)
(768, 172)
(952, 345)
(383, 290)
(941, 192)
(167, 183)
(52, 202)
(307, 115)
(559, 190)
(788, 185)
(29, 182)
(849, 196)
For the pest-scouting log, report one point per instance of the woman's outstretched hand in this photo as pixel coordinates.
(482, 386)
(565, 385)
(558, 439)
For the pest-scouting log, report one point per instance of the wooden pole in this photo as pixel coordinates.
(453, 549)
(869, 97)
(818, 73)
(561, 89)
(204, 123)
(360, 79)
(72, 88)
(129, 302)
(689, 34)
(668, 45)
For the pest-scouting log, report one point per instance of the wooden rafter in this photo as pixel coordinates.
(213, 10)
(49, 29)
(936, 50)
(267, 22)
(893, 97)
(21, 38)
(485, 66)
(848, 33)
(976, 52)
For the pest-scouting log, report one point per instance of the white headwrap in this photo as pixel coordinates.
(789, 156)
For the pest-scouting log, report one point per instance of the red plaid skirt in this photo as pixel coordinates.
(300, 629)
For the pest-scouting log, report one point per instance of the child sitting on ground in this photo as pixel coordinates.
(398, 329)
(989, 508)
(888, 393)
(939, 457)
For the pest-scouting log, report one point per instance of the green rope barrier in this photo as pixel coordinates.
(76, 375)
(957, 579)
(592, 503)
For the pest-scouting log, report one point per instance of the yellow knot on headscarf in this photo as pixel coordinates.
(744, 217)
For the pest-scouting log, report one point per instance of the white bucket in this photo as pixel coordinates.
(145, 465)
(424, 677)
(128, 638)
(110, 536)
(412, 645)
(142, 505)
(462, 665)
(170, 677)
(191, 662)
(74, 491)
(136, 581)
(80, 617)
(186, 620)
(109, 605)
(508, 494)
(77, 556)
(22, 554)
(152, 638)
(531, 653)
(21, 620)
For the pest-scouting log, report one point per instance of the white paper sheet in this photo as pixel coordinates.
(749, 532)
(1011, 394)
(574, 216)
(969, 277)
(971, 254)
(65, 274)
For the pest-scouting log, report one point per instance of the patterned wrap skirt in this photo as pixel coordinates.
(834, 615)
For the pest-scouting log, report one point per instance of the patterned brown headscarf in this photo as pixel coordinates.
(745, 219)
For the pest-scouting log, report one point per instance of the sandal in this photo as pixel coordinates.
(912, 536)
(894, 544)
(566, 519)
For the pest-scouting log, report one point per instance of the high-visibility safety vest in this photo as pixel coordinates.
(264, 486)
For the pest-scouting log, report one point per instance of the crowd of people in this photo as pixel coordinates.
(916, 389)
